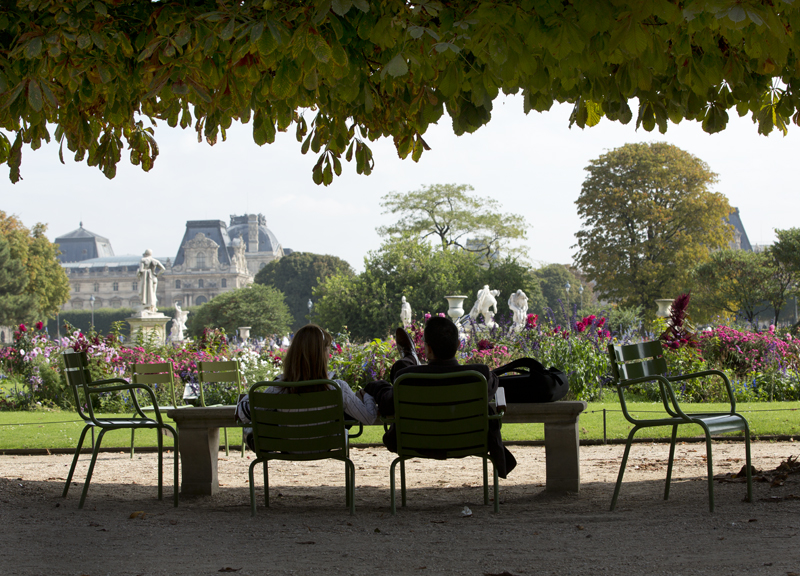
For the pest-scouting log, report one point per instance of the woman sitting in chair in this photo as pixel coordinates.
(307, 359)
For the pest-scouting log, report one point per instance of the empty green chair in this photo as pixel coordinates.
(151, 375)
(84, 389)
(220, 371)
(641, 363)
(301, 426)
(441, 416)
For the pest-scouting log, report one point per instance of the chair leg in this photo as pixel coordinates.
(622, 467)
(486, 481)
(747, 458)
(710, 466)
(91, 467)
(496, 490)
(252, 488)
(350, 485)
(133, 436)
(391, 485)
(160, 443)
(227, 451)
(403, 483)
(75, 460)
(669, 463)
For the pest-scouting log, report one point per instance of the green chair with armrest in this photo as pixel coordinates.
(442, 416)
(151, 375)
(636, 364)
(300, 426)
(84, 389)
(220, 371)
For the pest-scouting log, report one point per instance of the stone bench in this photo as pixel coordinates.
(198, 430)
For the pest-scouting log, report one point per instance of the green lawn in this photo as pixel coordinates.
(44, 429)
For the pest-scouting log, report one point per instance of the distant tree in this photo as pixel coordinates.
(454, 218)
(648, 219)
(735, 281)
(553, 279)
(296, 275)
(16, 305)
(786, 252)
(369, 304)
(260, 307)
(46, 280)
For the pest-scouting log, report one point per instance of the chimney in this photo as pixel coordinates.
(252, 233)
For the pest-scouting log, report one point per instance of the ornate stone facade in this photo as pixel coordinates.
(212, 258)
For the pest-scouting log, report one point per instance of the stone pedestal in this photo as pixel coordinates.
(148, 326)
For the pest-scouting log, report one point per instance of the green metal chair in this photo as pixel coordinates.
(219, 371)
(640, 363)
(299, 426)
(155, 374)
(441, 416)
(80, 380)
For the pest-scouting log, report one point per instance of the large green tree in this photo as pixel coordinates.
(296, 275)
(15, 304)
(46, 280)
(368, 304)
(260, 307)
(736, 282)
(451, 216)
(344, 72)
(648, 219)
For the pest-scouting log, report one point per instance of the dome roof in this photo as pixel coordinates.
(239, 228)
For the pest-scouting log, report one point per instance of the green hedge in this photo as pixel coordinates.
(103, 319)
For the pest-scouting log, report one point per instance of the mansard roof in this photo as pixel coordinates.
(82, 244)
(213, 229)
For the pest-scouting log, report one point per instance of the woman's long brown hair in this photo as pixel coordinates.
(307, 357)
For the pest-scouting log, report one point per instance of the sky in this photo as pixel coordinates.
(532, 164)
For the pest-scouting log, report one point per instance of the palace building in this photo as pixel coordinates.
(212, 258)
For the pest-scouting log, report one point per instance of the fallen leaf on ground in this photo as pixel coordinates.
(138, 514)
(228, 569)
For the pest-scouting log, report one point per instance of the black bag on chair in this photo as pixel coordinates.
(533, 383)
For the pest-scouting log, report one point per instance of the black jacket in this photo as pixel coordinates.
(383, 393)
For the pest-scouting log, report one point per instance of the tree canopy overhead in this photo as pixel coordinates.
(344, 72)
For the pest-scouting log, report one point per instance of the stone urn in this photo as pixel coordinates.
(664, 307)
(244, 333)
(456, 309)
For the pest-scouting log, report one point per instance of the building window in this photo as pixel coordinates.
(200, 260)
(77, 305)
(96, 287)
(224, 282)
(115, 286)
(200, 283)
(77, 287)
(200, 300)
(177, 284)
(134, 286)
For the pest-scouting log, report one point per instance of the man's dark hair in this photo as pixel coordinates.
(442, 336)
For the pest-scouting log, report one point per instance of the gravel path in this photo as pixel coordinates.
(125, 530)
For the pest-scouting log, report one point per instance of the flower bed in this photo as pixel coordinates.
(762, 366)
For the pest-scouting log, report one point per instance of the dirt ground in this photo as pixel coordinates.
(125, 530)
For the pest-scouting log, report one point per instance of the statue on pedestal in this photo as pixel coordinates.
(178, 323)
(149, 268)
(405, 312)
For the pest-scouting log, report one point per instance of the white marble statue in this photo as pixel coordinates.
(485, 301)
(147, 275)
(405, 313)
(518, 302)
(178, 323)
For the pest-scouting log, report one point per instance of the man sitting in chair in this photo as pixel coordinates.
(441, 345)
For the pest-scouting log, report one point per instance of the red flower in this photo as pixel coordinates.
(22, 328)
(39, 325)
(531, 321)
(485, 345)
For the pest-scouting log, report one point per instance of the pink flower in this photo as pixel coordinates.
(485, 345)
(441, 315)
(531, 321)
(427, 317)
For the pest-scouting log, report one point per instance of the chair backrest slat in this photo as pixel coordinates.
(653, 367)
(156, 373)
(298, 426)
(444, 413)
(76, 369)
